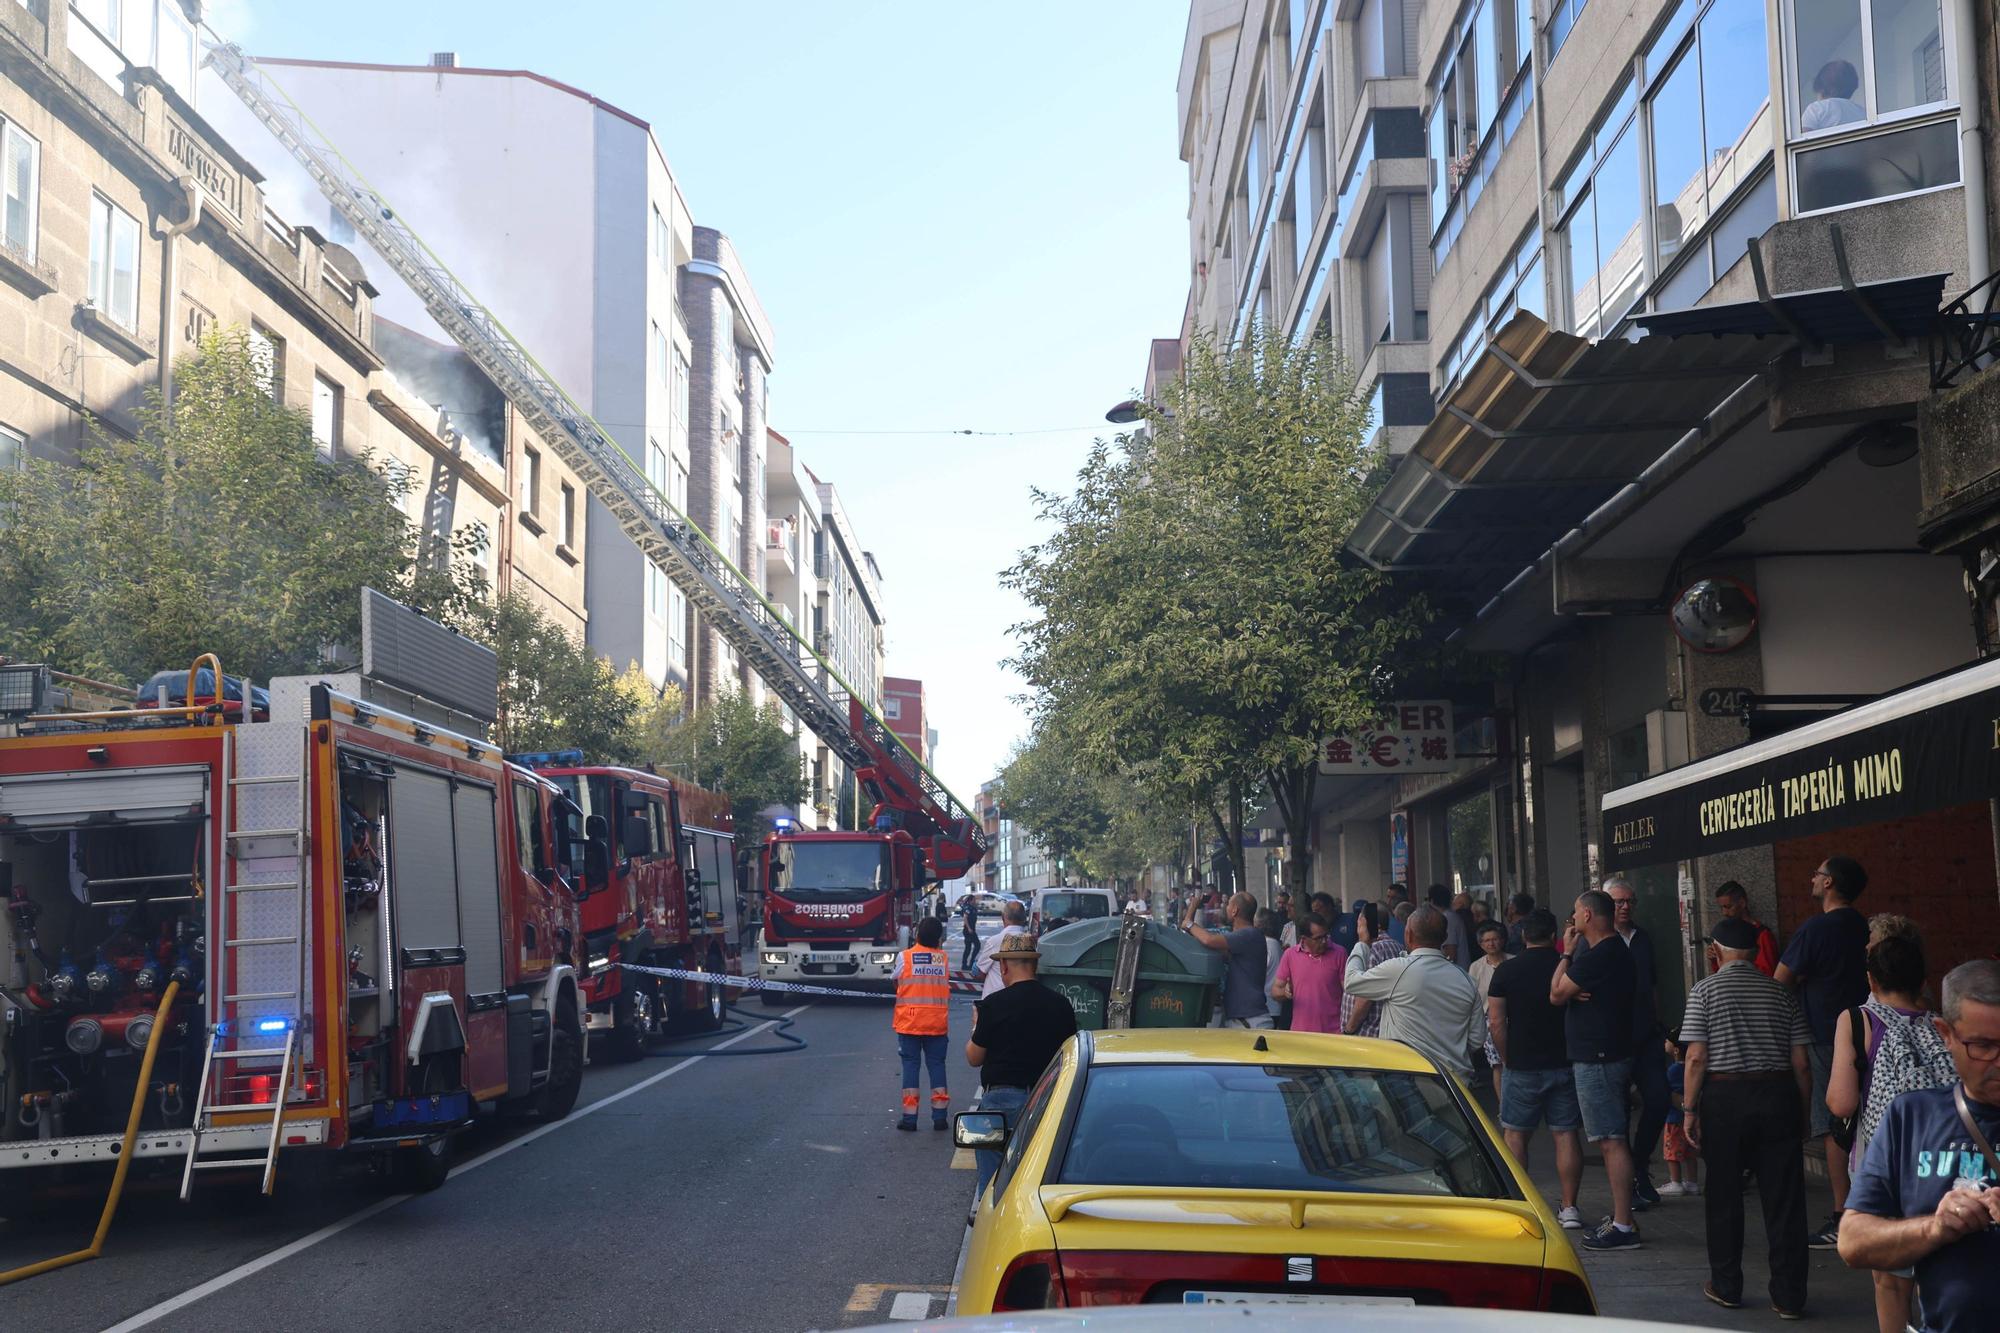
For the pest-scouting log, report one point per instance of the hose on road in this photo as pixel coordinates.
(745, 1020)
(96, 1246)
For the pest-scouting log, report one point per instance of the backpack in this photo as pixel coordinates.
(1911, 1058)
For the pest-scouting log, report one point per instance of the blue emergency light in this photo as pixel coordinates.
(273, 1024)
(885, 824)
(549, 759)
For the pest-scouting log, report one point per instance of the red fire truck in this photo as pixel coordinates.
(369, 915)
(659, 869)
(839, 907)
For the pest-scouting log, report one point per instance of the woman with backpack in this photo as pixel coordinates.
(1882, 1049)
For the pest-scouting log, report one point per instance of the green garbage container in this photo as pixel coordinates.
(1176, 986)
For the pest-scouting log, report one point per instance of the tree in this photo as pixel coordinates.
(736, 747)
(218, 528)
(1047, 789)
(1195, 624)
(554, 692)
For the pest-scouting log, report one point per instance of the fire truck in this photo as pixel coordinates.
(369, 915)
(660, 874)
(839, 907)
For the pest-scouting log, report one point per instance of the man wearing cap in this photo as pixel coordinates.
(1015, 1033)
(1747, 1084)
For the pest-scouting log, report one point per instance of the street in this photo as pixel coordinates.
(679, 1190)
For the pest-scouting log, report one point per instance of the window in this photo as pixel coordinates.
(1517, 287)
(892, 709)
(1480, 102)
(677, 650)
(175, 56)
(13, 449)
(531, 482)
(568, 516)
(1308, 193)
(680, 387)
(114, 262)
(656, 589)
(662, 250)
(1601, 227)
(1253, 154)
(267, 360)
(1857, 66)
(1707, 116)
(657, 354)
(725, 331)
(1563, 15)
(20, 193)
(528, 830)
(677, 487)
(326, 415)
(1295, 26)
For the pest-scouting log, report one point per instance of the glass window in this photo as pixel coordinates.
(569, 516)
(1619, 261)
(1580, 242)
(1469, 833)
(528, 829)
(1529, 295)
(1246, 1126)
(1908, 54)
(114, 262)
(175, 60)
(1736, 110)
(1878, 166)
(21, 160)
(725, 329)
(13, 449)
(1253, 156)
(1486, 64)
(680, 386)
(1859, 60)
(326, 415)
(1680, 193)
(267, 360)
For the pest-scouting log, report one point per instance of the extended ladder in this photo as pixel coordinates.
(259, 1036)
(726, 596)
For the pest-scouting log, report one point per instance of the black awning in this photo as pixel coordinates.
(1896, 310)
(1926, 748)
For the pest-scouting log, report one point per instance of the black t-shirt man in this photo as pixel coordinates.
(1535, 1027)
(1599, 1029)
(1830, 953)
(1021, 1027)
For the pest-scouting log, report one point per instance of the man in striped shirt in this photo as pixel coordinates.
(1747, 1086)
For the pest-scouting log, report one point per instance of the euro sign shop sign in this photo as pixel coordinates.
(1926, 748)
(1413, 736)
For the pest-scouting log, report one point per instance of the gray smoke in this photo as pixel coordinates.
(445, 377)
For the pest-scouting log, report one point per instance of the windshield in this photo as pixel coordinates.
(1280, 1128)
(828, 872)
(1074, 905)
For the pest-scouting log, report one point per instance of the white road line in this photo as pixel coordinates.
(910, 1305)
(304, 1243)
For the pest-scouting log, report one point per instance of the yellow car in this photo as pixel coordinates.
(1232, 1167)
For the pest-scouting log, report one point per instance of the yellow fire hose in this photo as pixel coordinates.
(124, 1154)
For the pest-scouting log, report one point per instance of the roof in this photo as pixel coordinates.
(1898, 309)
(1541, 430)
(456, 70)
(1151, 1046)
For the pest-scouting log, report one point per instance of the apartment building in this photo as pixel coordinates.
(847, 635)
(560, 211)
(1301, 124)
(903, 710)
(1692, 474)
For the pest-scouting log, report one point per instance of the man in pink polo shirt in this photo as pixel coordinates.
(1311, 975)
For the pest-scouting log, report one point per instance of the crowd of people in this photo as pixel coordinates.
(1828, 1040)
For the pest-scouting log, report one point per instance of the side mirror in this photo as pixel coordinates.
(979, 1129)
(635, 838)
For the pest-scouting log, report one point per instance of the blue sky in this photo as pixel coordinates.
(957, 216)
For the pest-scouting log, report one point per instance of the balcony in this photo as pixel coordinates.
(781, 542)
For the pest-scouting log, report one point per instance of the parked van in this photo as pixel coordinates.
(1067, 905)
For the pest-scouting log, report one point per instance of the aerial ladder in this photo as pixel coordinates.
(815, 693)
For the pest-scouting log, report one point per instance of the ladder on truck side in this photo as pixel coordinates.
(258, 927)
(727, 598)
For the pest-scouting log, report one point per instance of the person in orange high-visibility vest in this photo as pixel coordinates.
(923, 1015)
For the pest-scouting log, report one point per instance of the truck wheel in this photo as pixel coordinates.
(714, 1001)
(565, 1079)
(631, 1024)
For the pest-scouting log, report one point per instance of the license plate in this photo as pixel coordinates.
(1286, 1298)
(828, 958)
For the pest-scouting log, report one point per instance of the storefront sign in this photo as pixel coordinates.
(1924, 749)
(1411, 737)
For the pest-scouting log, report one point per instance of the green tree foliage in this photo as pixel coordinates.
(1103, 826)
(1195, 625)
(736, 747)
(554, 692)
(220, 528)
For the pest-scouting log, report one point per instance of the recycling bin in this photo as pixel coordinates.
(1176, 984)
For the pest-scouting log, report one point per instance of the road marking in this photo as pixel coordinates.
(963, 1160)
(867, 1297)
(910, 1305)
(328, 1232)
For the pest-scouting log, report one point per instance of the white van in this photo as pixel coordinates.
(1068, 905)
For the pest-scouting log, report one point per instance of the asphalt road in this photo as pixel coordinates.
(721, 1193)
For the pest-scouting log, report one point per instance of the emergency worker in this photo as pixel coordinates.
(923, 1015)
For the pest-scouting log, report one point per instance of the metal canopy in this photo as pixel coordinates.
(1899, 310)
(1543, 428)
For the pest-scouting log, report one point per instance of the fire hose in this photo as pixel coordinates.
(96, 1246)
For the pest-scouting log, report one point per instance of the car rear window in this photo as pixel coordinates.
(1277, 1127)
(1074, 905)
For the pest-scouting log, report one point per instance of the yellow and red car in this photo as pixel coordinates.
(1231, 1167)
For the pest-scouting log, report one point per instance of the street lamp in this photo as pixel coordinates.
(1127, 412)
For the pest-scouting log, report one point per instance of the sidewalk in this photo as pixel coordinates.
(1663, 1279)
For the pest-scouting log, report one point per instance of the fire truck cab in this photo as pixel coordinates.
(660, 878)
(838, 907)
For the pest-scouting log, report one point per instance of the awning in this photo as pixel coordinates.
(1895, 310)
(1543, 428)
(1928, 747)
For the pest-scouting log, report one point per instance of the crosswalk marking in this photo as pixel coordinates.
(963, 1160)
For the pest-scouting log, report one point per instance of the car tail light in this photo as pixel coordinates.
(1566, 1293)
(1112, 1277)
(1031, 1282)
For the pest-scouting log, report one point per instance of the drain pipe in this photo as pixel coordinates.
(170, 278)
(1972, 142)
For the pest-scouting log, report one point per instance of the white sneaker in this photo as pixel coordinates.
(1672, 1189)
(1691, 1188)
(1571, 1219)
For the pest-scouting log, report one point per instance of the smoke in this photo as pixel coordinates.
(445, 378)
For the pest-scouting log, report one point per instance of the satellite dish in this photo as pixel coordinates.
(1715, 615)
